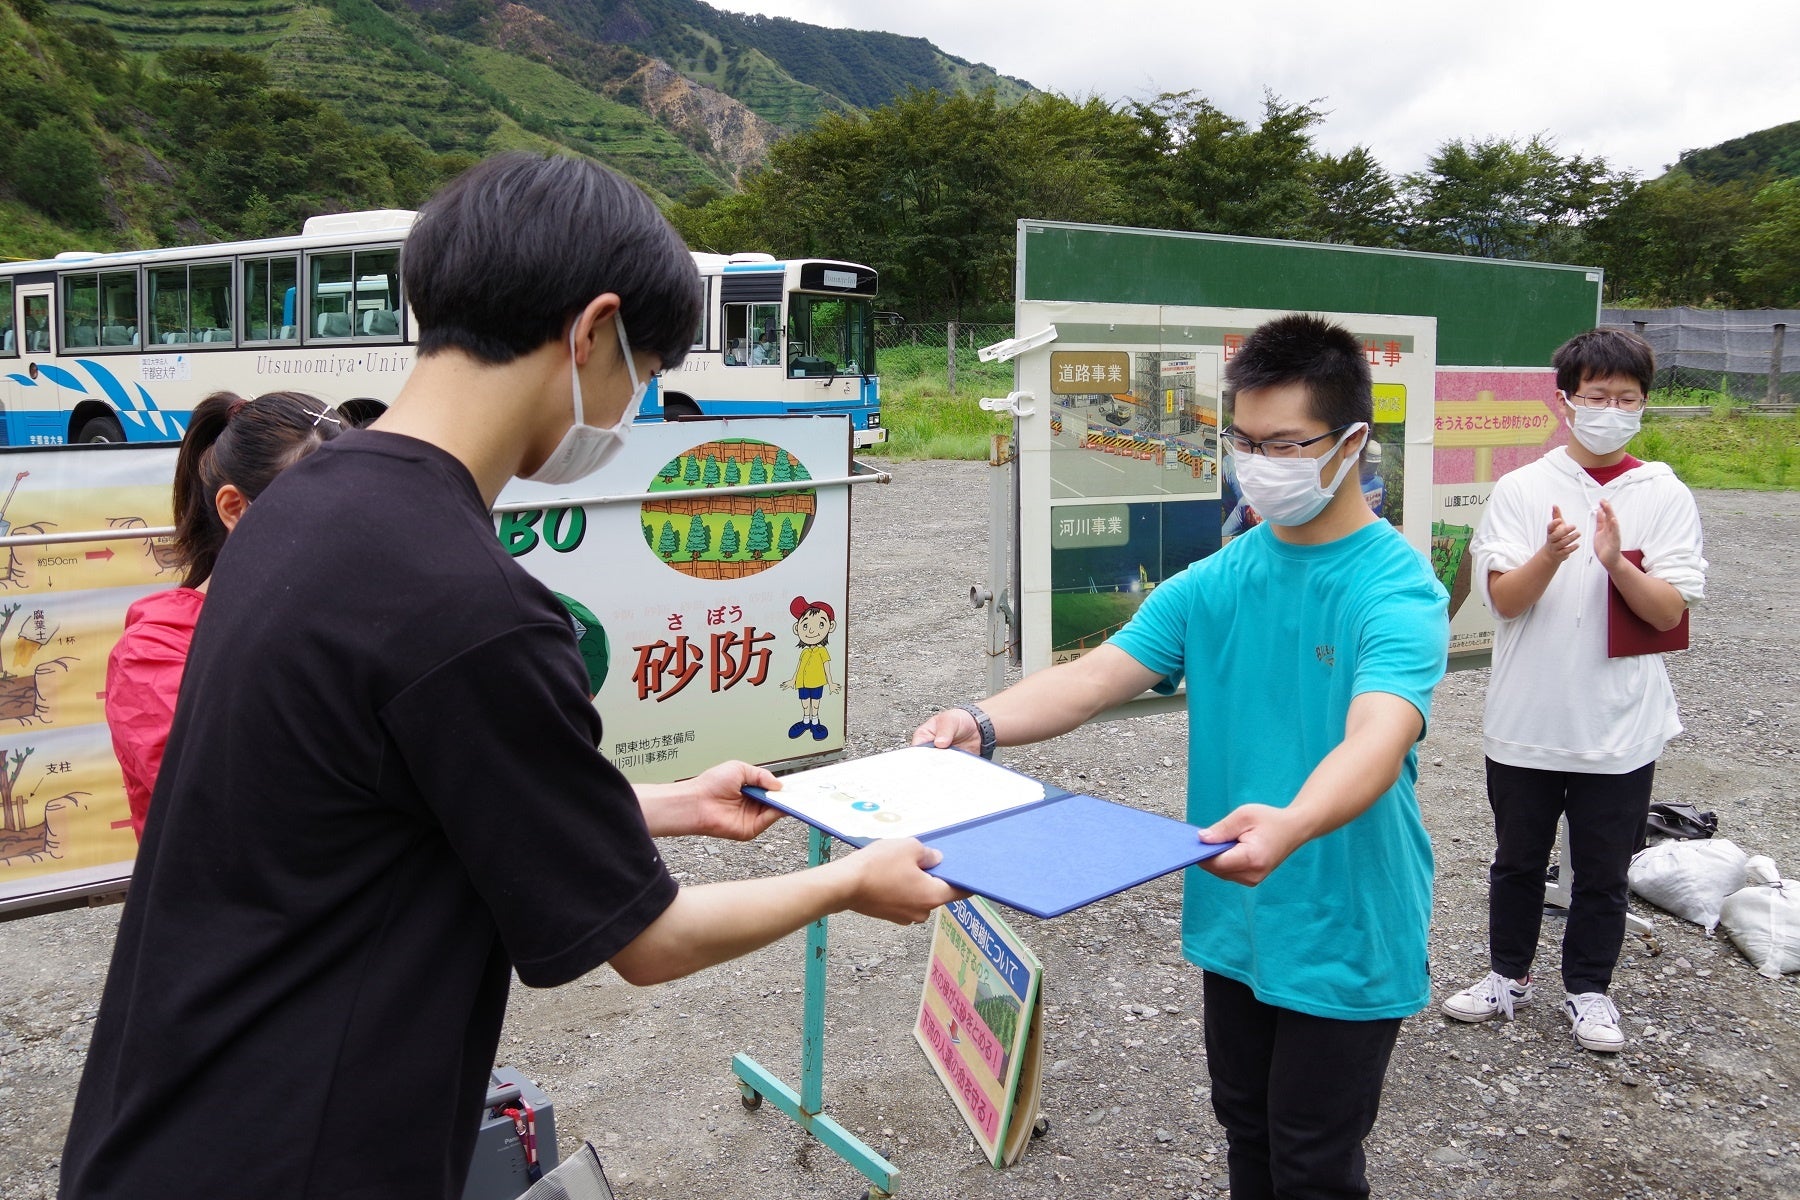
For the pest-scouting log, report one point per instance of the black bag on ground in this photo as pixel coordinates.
(1681, 820)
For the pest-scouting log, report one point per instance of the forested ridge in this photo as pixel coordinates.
(929, 190)
(160, 122)
(146, 122)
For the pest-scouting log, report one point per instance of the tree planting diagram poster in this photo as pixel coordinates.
(1122, 482)
(64, 824)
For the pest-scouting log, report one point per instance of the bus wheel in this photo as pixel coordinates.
(676, 408)
(101, 429)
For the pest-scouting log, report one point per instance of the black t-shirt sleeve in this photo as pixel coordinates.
(500, 742)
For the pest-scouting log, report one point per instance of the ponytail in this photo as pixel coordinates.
(241, 442)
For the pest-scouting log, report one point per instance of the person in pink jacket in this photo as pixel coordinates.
(234, 447)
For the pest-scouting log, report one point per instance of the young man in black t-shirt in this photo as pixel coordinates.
(382, 792)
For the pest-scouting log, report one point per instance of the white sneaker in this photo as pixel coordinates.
(1596, 1022)
(1492, 997)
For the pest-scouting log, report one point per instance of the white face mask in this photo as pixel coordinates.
(1289, 491)
(1604, 430)
(586, 448)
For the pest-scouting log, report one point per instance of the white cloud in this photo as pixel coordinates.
(1635, 84)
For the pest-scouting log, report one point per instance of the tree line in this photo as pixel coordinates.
(929, 187)
(109, 149)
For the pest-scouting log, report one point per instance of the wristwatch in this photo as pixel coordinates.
(986, 725)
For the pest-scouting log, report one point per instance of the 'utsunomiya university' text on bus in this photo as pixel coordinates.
(121, 346)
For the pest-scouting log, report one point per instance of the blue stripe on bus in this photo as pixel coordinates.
(50, 427)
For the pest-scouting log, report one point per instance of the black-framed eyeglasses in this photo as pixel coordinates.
(1622, 403)
(1274, 447)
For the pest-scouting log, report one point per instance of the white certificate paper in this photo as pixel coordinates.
(904, 793)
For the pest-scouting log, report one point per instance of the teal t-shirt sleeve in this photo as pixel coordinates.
(1404, 644)
(1157, 633)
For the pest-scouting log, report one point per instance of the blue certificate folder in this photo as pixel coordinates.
(1051, 856)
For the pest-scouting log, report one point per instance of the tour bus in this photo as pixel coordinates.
(121, 346)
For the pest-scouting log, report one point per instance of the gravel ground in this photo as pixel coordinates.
(1703, 1103)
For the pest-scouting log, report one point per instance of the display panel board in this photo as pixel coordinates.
(1497, 323)
(1490, 312)
(1121, 479)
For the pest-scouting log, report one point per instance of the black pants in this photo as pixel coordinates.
(1606, 825)
(1296, 1094)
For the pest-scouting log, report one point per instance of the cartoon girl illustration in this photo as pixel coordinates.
(813, 625)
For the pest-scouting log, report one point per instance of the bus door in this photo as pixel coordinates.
(33, 412)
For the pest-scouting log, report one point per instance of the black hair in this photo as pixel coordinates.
(1603, 354)
(508, 253)
(1307, 349)
(243, 442)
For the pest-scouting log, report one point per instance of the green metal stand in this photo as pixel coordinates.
(806, 1107)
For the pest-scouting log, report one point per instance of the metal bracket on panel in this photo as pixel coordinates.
(1016, 403)
(1011, 348)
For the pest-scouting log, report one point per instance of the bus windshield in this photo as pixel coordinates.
(830, 335)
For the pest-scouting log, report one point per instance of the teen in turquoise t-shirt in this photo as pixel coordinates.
(1280, 638)
(1310, 646)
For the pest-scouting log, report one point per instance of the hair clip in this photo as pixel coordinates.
(324, 414)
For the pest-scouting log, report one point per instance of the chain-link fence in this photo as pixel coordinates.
(943, 349)
(969, 335)
(1748, 356)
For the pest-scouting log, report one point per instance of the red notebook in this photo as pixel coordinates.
(1628, 634)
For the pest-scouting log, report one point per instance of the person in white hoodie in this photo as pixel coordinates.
(1568, 730)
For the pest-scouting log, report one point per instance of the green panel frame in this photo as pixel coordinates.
(1490, 312)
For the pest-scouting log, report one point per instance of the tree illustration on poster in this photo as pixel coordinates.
(590, 639)
(699, 537)
(728, 537)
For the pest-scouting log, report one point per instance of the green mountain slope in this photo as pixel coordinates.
(1772, 151)
(391, 72)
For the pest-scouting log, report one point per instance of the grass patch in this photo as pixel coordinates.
(923, 418)
(1760, 454)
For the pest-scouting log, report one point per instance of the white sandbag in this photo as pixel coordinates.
(1764, 922)
(1761, 869)
(1689, 879)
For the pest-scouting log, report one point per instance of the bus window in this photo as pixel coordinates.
(190, 305)
(330, 291)
(209, 302)
(119, 308)
(36, 333)
(377, 293)
(700, 329)
(830, 335)
(168, 306)
(355, 294)
(80, 311)
(9, 341)
(752, 334)
(269, 298)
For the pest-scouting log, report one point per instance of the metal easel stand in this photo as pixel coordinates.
(806, 1107)
(1556, 893)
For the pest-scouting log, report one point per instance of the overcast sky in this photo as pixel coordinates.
(1634, 83)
